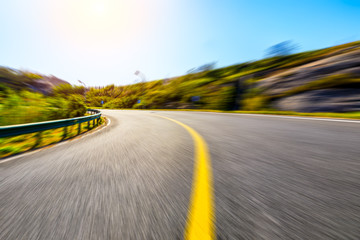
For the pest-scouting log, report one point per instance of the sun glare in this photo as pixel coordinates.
(104, 24)
(99, 8)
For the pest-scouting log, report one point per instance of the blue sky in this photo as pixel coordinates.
(102, 42)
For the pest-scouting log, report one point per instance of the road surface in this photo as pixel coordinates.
(268, 178)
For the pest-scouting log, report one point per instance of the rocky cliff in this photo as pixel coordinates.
(17, 80)
(331, 84)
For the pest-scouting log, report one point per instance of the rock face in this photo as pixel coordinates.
(16, 79)
(340, 99)
(46, 84)
(324, 100)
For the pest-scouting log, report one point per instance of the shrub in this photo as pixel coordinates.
(222, 99)
(123, 102)
(254, 103)
(24, 106)
(75, 106)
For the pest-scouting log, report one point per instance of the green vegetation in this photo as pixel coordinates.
(20, 104)
(24, 106)
(24, 99)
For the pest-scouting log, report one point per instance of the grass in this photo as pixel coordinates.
(18, 144)
(96, 108)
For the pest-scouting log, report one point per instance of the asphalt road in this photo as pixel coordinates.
(273, 178)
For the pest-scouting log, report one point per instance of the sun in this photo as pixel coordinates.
(99, 8)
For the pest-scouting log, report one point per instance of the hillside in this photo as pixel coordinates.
(325, 80)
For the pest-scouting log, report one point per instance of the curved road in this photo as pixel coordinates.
(272, 178)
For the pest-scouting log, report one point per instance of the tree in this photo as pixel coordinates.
(281, 49)
(203, 68)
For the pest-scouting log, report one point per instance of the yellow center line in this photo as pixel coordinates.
(200, 221)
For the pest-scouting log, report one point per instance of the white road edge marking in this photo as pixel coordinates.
(55, 144)
(301, 118)
(278, 116)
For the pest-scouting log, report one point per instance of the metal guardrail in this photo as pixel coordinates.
(15, 130)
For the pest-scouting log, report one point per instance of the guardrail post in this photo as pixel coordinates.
(38, 139)
(88, 125)
(93, 123)
(79, 128)
(65, 133)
